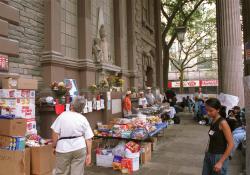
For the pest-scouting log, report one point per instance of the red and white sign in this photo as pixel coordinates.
(176, 84)
(209, 83)
(193, 83)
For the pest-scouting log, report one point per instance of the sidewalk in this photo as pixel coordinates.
(180, 152)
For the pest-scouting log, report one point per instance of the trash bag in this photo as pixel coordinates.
(177, 120)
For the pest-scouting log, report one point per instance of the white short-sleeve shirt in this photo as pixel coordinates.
(70, 124)
(143, 101)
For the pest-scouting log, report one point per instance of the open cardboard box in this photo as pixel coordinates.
(42, 160)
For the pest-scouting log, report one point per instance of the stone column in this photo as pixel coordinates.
(131, 43)
(119, 32)
(87, 71)
(158, 54)
(246, 28)
(230, 48)
(52, 46)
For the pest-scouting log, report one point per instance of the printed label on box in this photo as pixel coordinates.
(25, 93)
(31, 127)
(7, 93)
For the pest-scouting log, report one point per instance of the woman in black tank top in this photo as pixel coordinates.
(220, 141)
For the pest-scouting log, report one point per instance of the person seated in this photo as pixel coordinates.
(238, 114)
(238, 131)
(150, 97)
(142, 100)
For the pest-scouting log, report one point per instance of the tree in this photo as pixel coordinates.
(199, 39)
(176, 13)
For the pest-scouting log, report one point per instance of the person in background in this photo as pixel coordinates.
(238, 114)
(223, 112)
(127, 105)
(190, 104)
(239, 131)
(220, 141)
(150, 97)
(196, 108)
(142, 100)
(72, 140)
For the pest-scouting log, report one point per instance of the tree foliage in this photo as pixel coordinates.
(177, 13)
(194, 45)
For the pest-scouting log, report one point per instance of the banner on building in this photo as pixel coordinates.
(194, 83)
(176, 84)
(205, 83)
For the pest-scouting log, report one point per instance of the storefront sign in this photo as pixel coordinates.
(194, 83)
(4, 63)
(205, 83)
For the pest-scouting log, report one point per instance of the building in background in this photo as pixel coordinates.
(85, 40)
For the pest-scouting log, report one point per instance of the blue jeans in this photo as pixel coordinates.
(239, 135)
(209, 162)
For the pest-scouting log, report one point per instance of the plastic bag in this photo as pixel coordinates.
(119, 150)
(133, 147)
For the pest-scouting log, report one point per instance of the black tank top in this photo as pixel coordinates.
(218, 142)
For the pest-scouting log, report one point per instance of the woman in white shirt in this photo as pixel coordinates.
(142, 100)
(72, 139)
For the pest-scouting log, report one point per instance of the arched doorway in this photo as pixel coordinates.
(149, 77)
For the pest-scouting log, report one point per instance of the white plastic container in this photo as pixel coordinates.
(135, 159)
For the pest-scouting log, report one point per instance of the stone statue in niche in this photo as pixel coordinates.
(104, 45)
(97, 51)
(100, 48)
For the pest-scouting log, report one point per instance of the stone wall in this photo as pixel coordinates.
(145, 41)
(30, 34)
(69, 32)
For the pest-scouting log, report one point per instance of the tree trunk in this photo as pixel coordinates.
(181, 81)
(165, 66)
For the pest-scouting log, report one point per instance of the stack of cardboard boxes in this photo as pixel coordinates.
(17, 120)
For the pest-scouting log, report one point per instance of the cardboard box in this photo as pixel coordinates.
(9, 83)
(41, 159)
(14, 127)
(23, 83)
(96, 143)
(154, 143)
(48, 173)
(146, 152)
(15, 162)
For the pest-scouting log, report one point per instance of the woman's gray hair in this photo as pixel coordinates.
(78, 104)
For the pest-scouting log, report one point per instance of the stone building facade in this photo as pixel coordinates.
(50, 40)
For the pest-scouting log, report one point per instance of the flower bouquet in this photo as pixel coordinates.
(60, 91)
(93, 88)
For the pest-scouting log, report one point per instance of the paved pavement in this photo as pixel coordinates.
(180, 152)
